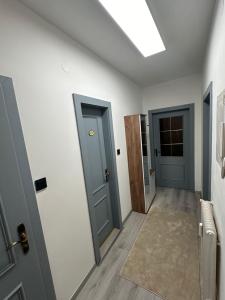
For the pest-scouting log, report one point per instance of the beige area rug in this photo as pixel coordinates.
(165, 256)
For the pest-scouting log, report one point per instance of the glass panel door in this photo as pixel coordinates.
(171, 136)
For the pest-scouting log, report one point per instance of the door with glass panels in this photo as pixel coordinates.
(171, 149)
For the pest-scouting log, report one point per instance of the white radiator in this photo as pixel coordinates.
(208, 234)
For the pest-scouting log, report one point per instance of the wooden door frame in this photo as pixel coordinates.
(80, 100)
(26, 177)
(190, 108)
(208, 93)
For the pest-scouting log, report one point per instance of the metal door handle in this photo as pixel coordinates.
(23, 240)
(107, 174)
(13, 244)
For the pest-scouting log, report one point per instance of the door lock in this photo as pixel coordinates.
(107, 174)
(23, 239)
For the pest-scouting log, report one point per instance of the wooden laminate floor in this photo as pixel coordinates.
(105, 282)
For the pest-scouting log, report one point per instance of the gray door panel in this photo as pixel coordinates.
(97, 185)
(207, 143)
(99, 204)
(172, 155)
(20, 274)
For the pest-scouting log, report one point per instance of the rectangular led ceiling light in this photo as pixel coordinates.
(135, 19)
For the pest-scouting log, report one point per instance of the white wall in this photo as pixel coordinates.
(178, 92)
(47, 67)
(215, 72)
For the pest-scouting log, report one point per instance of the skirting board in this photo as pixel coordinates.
(83, 283)
(127, 217)
(93, 268)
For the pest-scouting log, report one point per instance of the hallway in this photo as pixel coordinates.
(98, 112)
(105, 283)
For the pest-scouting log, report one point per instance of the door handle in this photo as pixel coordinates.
(156, 152)
(23, 239)
(107, 174)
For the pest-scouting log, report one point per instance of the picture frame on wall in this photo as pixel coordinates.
(220, 134)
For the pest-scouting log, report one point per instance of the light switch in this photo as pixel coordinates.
(40, 184)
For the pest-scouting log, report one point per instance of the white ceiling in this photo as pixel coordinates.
(184, 26)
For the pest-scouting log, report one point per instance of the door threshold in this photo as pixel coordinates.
(109, 242)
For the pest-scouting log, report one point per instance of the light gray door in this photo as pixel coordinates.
(20, 274)
(206, 182)
(98, 173)
(172, 152)
(207, 143)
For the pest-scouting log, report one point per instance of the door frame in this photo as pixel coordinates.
(190, 109)
(80, 100)
(207, 162)
(27, 182)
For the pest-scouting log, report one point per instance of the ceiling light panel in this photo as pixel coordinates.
(135, 19)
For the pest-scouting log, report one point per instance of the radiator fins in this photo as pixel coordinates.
(208, 252)
(207, 217)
